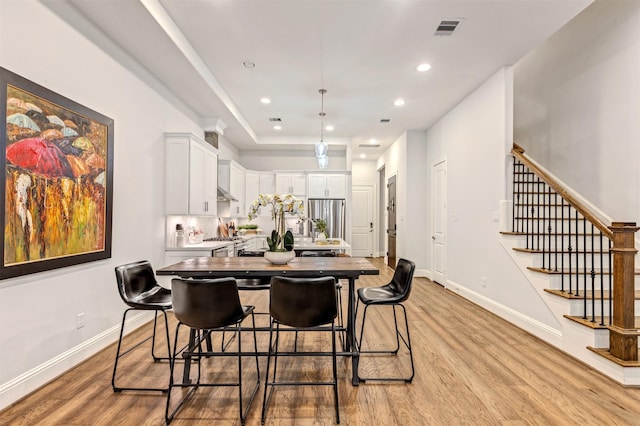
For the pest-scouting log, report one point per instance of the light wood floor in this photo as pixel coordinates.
(472, 368)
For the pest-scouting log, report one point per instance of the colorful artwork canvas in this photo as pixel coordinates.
(58, 162)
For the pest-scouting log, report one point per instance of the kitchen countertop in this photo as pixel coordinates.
(307, 244)
(207, 245)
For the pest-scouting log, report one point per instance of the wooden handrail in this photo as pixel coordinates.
(518, 152)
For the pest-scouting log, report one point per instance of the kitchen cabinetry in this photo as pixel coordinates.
(191, 174)
(258, 183)
(231, 178)
(326, 185)
(291, 183)
(257, 243)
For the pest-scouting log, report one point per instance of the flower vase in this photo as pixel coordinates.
(279, 257)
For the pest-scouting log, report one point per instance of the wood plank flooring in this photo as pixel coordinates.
(472, 368)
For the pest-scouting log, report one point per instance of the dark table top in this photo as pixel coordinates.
(237, 267)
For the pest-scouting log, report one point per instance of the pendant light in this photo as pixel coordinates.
(321, 147)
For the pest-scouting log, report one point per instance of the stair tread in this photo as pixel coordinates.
(547, 218)
(566, 271)
(580, 251)
(553, 234)
(607, 354)
(589, 294)
(596, 324)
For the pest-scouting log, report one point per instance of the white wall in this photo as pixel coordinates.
(472, 138)
(38, 334)
(577, 104)
(276, 159)
(405, 159)
(364, 172)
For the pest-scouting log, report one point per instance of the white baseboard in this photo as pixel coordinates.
(425, 273)
(531, 325)
(24, 384)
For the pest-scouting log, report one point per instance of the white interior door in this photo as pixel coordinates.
(362, 221)
(439, 225)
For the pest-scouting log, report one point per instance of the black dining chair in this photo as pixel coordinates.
(392, 294)
(206, 306)
(140, 291)
(330, 253)
(300, 304)
(249, 284)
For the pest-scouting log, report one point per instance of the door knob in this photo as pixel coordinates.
(433, 237)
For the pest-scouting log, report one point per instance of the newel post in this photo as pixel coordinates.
(623, 335)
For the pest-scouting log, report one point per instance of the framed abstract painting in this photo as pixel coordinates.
(57, 189)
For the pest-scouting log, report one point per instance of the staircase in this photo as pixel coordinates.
(584, 264)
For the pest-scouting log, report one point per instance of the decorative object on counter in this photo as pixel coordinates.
(249, 228)
(223, 230)
(321, 229)
(279, 241)
(232, 229)
(196, 236)
(180, 239)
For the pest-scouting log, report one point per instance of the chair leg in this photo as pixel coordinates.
(399, 336)
(273, 353)
(244, 413)
(343, 333)
(155, 358)
(335, 371)
(265, 399)
(169, 416)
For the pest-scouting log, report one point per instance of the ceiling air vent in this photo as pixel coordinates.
(276, 119)
(369, 145)
(385, 120)
(446, 28)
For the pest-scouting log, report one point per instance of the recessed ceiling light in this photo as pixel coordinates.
(248, 64)
(329, 128)
(277, 127)
(398, 102)
(372, 141)
(423, 67)
(265, 100)
(363, 155)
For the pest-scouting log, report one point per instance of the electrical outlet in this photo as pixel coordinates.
(484, 281)
(80, 320)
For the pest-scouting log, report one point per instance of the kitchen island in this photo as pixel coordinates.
(328, 244)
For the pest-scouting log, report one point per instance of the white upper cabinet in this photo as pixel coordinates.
(231, 178)
(326, 185)
(191, 166)
(259, 183)
(291, 183)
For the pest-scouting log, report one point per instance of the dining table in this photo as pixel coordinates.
(340, 267)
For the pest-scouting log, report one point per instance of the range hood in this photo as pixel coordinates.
(225, 196)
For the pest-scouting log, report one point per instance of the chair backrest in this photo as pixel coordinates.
(303, 302)
(318, 253)
(403, 278)
(205, 304)
(251, 253)
(134, 280)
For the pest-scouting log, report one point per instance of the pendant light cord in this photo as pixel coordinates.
(322, 114)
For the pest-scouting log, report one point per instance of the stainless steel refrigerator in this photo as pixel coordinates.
(332, 211)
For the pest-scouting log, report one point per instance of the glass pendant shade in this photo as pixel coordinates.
(321, 149)
(323, 161)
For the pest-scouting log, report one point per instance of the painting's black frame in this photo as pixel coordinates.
(9, 78)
